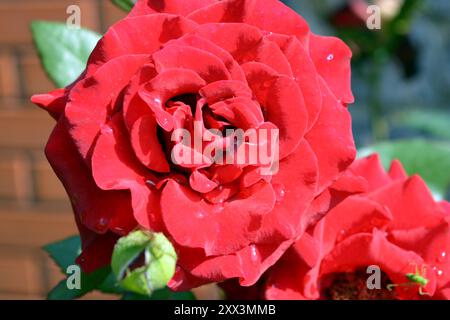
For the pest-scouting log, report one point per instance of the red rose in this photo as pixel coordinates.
(224, 64)
(395, 225)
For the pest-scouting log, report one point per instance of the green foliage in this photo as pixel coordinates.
(125, 5)
(64, 254)
(429, 159)
(63, 50)
(434, 122)
(89, 282)
(147, 282)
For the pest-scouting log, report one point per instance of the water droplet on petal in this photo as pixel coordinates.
(102, 225)
(218, 208)
(280, 192)
(330, 57)
(442, 257)
(253, 253)
(157, 100)
(340, 236)
(199, 215)
(163, 121)
(106, 129)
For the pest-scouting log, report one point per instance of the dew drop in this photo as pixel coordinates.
(157, 100)
(163, 121)
(253, 253)
(280, 192)
(199, 215)
(340, 236)
(208, 185)
(102, 224)
(442, 257)
(330, 57)
(106, 129)
(218, 208)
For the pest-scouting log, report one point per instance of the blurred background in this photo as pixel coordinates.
(401, 73)
(401, 82)
(34, 209)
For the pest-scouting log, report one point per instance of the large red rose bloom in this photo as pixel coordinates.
(394, 224)
(227, 64)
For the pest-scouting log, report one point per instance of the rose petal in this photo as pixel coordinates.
(338, 224)
(146, 145)
(207, 65)
(285, 279)
(372, 170)
(409, 199)
(96, 209)
(126, 37)
(296, 184)
(91, 100)
(304, 72)
(331, 139)
(96, 250)
(332, 59)
(240, 40)
(179, 7)
(270, 15)
(226, 227)
(222, 90)
(199, 182)
(280, 98)
(133, 107)
(247, 264)
(53, 102)
(396, 171)
(209, 46)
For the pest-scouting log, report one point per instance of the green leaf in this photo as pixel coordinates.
(110, 285)
(63, 50)
(89, 282)
(434, 122)
(429, 159)
(125, 5)
(155, 270)
(64, 252)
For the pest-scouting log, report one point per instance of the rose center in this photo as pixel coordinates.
(189, 99)
(353, 286)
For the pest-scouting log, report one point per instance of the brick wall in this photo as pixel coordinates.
(34, 209)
